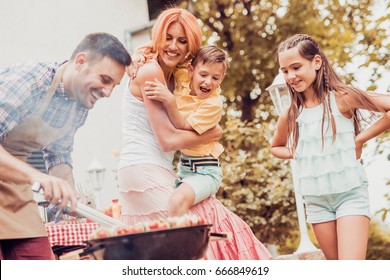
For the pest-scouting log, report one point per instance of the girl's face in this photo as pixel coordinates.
(175, 48)
(298, 71)
(205, 78)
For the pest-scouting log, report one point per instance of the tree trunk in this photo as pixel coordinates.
(247, 107)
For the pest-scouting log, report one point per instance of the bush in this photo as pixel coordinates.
(257, 186)
(378, 242)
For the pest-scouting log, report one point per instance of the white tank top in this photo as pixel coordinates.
(139, 145)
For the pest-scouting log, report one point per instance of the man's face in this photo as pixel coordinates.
(94, 80)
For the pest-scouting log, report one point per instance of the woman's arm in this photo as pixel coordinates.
(279, 142)
(159, 92)
(168, 137)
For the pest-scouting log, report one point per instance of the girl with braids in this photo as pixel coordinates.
(321, 132)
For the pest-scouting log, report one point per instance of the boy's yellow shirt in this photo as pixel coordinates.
(201, 114)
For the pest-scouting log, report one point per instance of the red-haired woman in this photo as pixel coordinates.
(146, 176)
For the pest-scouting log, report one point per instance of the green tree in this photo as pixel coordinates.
(250, 30)
(383, 148)
(378, 243)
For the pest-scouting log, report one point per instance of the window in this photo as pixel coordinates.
(36, 160)
(155, 6)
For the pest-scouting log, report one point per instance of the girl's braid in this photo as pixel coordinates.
(327, 89)
(300, 38)
(327, 94)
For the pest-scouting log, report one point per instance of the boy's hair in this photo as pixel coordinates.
(211, 54)
(326, 80)
(99, 45)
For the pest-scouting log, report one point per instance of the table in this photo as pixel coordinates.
(68, 236)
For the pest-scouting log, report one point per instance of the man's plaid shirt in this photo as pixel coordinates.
(22, 90)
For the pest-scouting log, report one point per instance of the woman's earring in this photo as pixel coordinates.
(188, 56)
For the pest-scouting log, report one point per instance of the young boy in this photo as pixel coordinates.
(196, 105)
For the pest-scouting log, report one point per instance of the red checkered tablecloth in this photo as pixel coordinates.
(69, 234)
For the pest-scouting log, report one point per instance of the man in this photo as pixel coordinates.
(41, 107)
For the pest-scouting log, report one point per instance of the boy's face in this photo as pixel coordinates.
(205, 78)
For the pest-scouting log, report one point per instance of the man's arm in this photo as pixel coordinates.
(63, 171)
(18, 92)
(58, 159)
(19, 172)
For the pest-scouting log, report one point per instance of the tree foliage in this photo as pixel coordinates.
(378, 243)
(250, 30)
(258, 190)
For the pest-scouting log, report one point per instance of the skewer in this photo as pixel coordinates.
(97, 216)
(80, 188)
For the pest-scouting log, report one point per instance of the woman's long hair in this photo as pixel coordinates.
(326, 80)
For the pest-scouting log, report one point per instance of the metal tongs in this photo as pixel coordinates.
(83, 210)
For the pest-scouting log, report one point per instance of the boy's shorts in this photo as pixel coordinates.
(205, 180)
(331, 207)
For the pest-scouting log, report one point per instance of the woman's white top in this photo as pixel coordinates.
(139, 145)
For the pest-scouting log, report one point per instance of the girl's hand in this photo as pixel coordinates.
(158, 91)
(359, 147)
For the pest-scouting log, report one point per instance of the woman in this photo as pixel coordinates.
(146, 177)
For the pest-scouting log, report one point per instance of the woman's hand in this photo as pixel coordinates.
(215, 133)
(158, 91)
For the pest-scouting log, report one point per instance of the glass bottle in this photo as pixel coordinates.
(116, 209)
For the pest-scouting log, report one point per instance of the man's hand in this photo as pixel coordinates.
(81, 199)
(57, 190)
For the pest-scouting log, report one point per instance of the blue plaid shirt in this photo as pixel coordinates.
(22, 88)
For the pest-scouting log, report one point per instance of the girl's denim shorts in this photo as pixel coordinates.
(324, 208)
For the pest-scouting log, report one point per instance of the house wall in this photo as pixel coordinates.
(49, 30)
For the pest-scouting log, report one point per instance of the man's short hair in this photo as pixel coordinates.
(101, 44)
